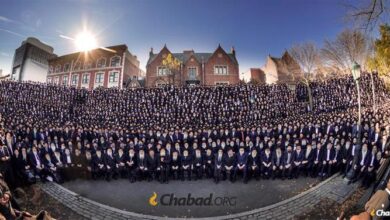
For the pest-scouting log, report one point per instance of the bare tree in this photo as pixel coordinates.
(307, 56)
(348, 47)
(367, 13)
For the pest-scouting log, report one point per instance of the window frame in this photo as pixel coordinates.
(119, 63)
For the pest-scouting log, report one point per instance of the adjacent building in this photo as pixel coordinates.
(253, 75)
(107, 67)
(216, 68)
(30, 61)
(282, 70)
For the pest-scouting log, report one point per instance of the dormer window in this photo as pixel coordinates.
(115, 61)
(101, 63)
(58, 68)
(77, 66)
(66, 67)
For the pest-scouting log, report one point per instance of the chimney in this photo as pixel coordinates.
(151, 51)
(233, 51)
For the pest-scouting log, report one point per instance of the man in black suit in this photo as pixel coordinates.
(36, 163)
(163, 166)
(254, 164)
(288, 162)
(362, 163)
(372, 167)
(208, 163)
(318, 154)
(308, 160)
(298, 157)
(219, 166)
(242, 161)
(5, 164)
(98, 166)
(230, 163)
(142, 166)
(266, 163)
(277, 164)
(152, 163)
(175, 165)
(197, 164)
(120, 162)
(131, 165)
(186, 163)
(110, 163)
(327, 161)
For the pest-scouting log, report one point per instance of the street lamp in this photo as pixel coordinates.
(356, 72)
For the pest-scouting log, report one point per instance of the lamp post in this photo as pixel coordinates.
(356, 72)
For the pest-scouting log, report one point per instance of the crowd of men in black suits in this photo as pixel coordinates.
(60, 133)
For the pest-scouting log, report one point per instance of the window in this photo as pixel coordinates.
(65, 80)
(56, 80)
(99, 78)
(66, 67)
(116, 61)
(192, 72)
(220, 70)
(58, 68)
(87, 65)
(101, 63)
(48, 80)
(85, 79)
(113, 77)
(134, 77)
(75, 79)
(50, 69)
(77, 66)
(162, 71)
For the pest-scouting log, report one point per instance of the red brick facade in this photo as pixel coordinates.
(208, 69)
(110, 67)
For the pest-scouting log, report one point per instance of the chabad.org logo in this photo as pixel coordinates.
(171, 199)
(152, 199)
(380, 212)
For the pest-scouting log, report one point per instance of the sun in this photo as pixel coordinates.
(85, 41)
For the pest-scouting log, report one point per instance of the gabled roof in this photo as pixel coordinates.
(183, 57)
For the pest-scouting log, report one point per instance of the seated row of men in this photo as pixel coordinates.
(320, 160)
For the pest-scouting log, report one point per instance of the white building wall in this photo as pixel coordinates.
(33, 71)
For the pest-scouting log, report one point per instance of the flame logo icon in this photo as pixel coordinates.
(152, 199)
(372, 213)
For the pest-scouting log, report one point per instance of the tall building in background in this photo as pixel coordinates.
(282, 70)
(31, 61)
(253, 75)
(105, 67)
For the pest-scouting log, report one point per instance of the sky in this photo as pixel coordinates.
(256, 28)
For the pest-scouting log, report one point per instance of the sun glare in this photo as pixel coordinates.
(85, 41)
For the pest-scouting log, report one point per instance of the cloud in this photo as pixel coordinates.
(5, 19)
(5, 54)
(13, 33)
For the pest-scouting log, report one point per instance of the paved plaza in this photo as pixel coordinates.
(264, 199)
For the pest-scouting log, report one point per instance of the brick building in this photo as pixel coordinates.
(282, 70)
(103, 67)
(254, 75)
(215, 68)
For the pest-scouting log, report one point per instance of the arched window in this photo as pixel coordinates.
(77, 66)
(58, 68)
(87, 65)
(101, 63)
(66, 67)
(115, 61)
